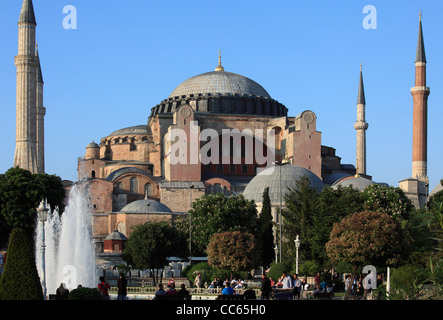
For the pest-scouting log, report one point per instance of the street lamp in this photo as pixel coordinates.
(297, 245)
(281, 163)
(42, 211)
(190, 223)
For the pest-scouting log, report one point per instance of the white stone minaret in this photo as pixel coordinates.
(361, 126)
(40, 119)
(26, 115)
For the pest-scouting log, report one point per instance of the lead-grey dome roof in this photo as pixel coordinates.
(359, 183)
(271, 178)
(220, 82)
(145, 206)
(137, 130)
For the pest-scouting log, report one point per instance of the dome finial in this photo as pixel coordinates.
(219, 67)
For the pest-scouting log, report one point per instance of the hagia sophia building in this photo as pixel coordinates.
(154, 170)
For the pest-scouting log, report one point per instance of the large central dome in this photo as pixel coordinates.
(220, 82)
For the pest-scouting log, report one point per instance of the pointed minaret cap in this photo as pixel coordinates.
(361, 90)
(219, 67)
(27, 12)
(421, 56)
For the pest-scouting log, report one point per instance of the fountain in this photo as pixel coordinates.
(70, 253)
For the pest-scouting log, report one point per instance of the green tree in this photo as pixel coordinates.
(267, 232)
(368, 237)
(151, 243)
(20, 280)
(216, 213)
(332, 205)
(301, 203)
(235, 251)
(20, 194)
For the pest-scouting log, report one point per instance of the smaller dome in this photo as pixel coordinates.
(116, 236)
(146, 206)
(92, 145)
(358, 182)
(279, 182)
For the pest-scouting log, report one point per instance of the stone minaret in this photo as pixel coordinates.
(420, 95)
(26, 116)
(40, 120)
(361, 126)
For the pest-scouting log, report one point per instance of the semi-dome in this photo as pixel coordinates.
(271, 177)
(357, 182)
(220, 82)
(145, 206)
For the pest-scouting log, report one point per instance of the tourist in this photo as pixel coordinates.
(122, 284)
(213, 285)
(62, 292)
(171, 291)
(266, 287)
(228, 290)
(198, 281)
(160, 291)
(286, 281)
(104, 287)
(183, 291)
(297, 287)
(317, 279)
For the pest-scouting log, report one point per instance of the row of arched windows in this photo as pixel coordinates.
(133, 187)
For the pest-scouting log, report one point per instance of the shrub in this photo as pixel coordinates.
(85, 294)
(277, 269)
(20, 280)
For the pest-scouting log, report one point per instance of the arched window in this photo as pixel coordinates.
(133, 185)
(148, 189)
(93, 174)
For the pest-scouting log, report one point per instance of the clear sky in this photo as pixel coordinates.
(125, 57)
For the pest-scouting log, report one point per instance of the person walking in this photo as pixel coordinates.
(122, 285)
(104, 287)
(266, 287)
(198, 281)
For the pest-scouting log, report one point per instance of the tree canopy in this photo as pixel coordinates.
(20, 194)
(235, 251)
(151, 243)
(216, 213)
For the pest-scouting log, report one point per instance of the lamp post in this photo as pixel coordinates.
(297, 245)
(190, 223)
(42, 211)
(280, 218)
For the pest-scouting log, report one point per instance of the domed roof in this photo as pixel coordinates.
(358, 182)
(142, 129)
(92, 145)
(220, 82)
(145, 206)
(271, 178)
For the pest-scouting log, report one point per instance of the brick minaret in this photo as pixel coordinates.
(361, 126)
(420, 95)
(26, 63)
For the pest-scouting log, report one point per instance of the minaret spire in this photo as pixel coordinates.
(40, 118)
(420, 95)
(26, 63)
(361, 126)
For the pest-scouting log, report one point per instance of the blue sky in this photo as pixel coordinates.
(127, 56)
